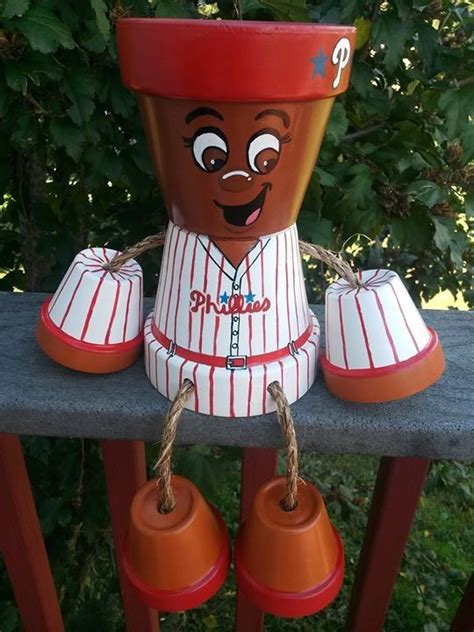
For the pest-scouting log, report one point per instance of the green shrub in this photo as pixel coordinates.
(395, 164)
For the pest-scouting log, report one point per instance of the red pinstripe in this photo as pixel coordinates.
(71, 300)
(172, 285)
(181, 372)
(231, 403)
(196, 394)
(364, 332)
(294, 259)
(211, 390)
(287, 287)
(92, 306)
(250, 391)
(281, 373)
(63, 284)
(326, 315)
(343, 335)
(201, 327)
(307, 366)
(217, 320)
(193, 262)
(387, 330)
(164, 275)
(114, 312)
(94, 254)
(297, 377)
(250, 317)
(179, 286)
(167, 374)
(404, 317)
(367, 281)
(264, 402)
(158, 349)
(127, 309)
(264, 315)
(105, 254)
(140, 301)
(276, 293)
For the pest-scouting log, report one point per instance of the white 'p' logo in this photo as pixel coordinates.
(340, 58)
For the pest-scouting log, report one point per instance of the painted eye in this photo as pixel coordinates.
(210, 151)
(263, 152)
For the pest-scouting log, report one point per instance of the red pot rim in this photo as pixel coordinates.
(190, 596)
(286, 604)
(225, 60)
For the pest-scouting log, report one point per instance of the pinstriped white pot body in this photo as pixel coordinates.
(97, 307)
(375, 326)
(231, 330)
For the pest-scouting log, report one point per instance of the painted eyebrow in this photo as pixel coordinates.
(203, 112)
(280, 113)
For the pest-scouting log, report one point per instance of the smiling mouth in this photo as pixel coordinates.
(245, 214)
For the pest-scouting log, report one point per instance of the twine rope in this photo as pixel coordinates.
(285, 419)
(166, 501)
(148, 243)
(332, 260)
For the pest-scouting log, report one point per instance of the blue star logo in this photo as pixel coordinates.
(224, 298)
(249, 297)
(319, 64)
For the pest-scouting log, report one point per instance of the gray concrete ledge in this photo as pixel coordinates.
(38, 397)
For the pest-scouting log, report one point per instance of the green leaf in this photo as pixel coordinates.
(80, 87)
(364, 29)
(67, 135)
(427, 192)
(15, 7)
(15, 79)
(359, 191)
(447, 237)
(291, 11)
(210, 622)
(326, 179)
(173, 9)
(414, 232)
(319, 231)
(103, 24)
(44, 31)
(392, 34)
(457, 106)
(338, 124)
(469, 203)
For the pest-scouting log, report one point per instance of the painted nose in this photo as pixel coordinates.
(236, 181)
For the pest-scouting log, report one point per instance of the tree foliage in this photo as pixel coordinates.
(395, 164)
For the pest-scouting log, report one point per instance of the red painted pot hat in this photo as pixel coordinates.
(221, 60)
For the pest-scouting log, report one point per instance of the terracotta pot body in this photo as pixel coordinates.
(233, 138)
(93, 322)
(378, 347)
(289, 563)
(176, 561)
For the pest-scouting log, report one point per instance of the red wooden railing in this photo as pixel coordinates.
(398, 487)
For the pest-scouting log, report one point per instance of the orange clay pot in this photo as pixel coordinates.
(289, 563)
(178, 560)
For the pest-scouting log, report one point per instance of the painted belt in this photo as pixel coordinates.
(231, 362)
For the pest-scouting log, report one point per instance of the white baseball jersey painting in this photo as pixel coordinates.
(99, 307)
(375, 326)
(231, 330)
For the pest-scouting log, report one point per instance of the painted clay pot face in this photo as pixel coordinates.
(233, 170)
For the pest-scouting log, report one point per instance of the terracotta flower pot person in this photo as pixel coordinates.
(234, 114)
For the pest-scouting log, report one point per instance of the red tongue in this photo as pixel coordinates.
(252, 217)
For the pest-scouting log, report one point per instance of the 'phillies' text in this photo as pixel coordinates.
(235, 305)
